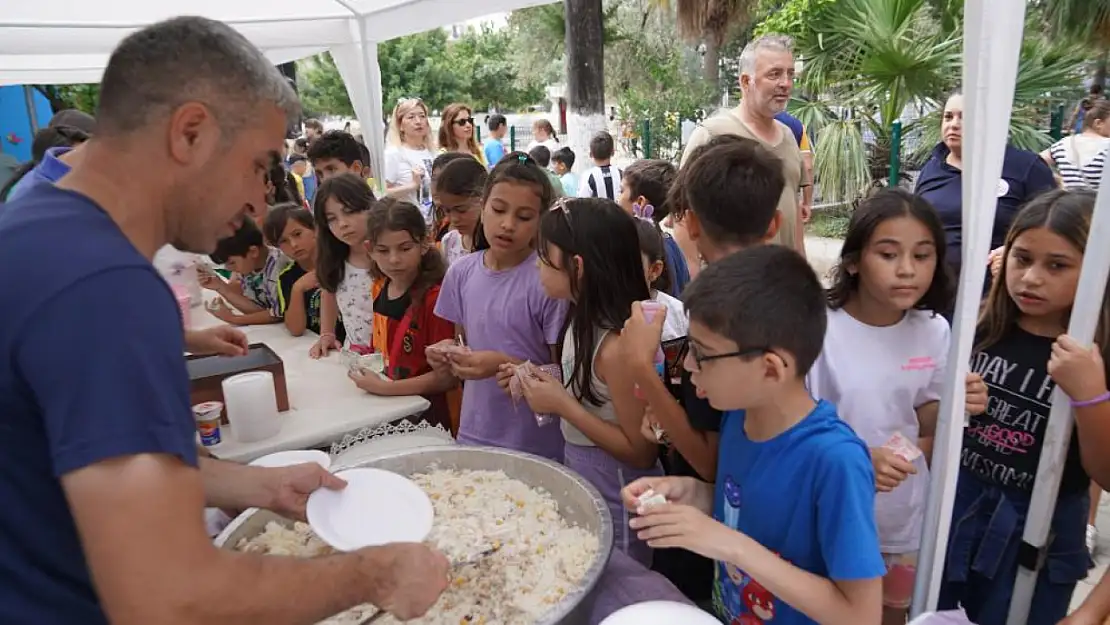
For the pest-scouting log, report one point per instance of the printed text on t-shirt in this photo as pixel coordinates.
(997, 444)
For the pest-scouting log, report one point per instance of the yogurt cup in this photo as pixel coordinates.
(207, 416)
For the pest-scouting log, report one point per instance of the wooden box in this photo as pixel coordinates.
(207, 373)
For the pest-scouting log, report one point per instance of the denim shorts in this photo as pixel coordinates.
(982, 562)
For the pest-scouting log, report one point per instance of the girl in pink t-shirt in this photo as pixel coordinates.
(499, 309)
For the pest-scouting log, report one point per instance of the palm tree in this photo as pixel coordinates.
(1087, 20)
(874, 61)
(710, 22)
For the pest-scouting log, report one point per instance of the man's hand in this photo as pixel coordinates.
(221, 340)
(287, 488)
(805, 211)
(413, 578)
(890, 469)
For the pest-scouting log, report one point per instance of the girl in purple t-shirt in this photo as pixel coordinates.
(590, 256)
(498, 306)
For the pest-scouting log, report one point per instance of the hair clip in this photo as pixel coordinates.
(644, 211)
(561, 205)
(523, 158)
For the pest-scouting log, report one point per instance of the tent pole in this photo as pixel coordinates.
(1084, 322)
(991, 48)
(374, 135)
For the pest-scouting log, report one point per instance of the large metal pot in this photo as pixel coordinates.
(579, 502)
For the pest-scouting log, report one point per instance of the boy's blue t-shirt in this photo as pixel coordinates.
(494, 151)
(91, 368)
(676, 262)
(808, 495)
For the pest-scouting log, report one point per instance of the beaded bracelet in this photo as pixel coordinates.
(1098, 399)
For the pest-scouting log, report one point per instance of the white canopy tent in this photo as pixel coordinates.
(69, 41)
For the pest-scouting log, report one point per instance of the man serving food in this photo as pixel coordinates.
(101, 485)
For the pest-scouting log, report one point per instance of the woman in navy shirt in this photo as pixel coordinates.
(1024, 175)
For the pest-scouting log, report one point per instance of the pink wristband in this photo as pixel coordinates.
(1098, 399)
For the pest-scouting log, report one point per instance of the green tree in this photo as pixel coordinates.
(80, 97)
(1087, 20)
(871, 60)
(656, 77)
(711, 22)
(493, 80)
(321, 88)
(787, 17)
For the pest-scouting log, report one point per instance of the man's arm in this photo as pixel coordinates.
(151, 561)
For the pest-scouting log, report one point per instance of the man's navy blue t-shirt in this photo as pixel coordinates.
(1024, 176)
(91, 369)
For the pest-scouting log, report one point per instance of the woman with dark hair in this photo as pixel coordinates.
(1024, 176)
(456, 132)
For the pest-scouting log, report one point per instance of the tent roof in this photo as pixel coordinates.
(69, 41)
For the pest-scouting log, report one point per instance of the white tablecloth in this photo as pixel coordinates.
(323, 402)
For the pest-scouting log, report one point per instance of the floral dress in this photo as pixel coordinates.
(356, 305)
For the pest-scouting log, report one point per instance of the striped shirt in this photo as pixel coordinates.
(1080, 159)
(603, 181)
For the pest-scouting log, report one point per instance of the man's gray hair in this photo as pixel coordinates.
(773, 42)
(188, 59)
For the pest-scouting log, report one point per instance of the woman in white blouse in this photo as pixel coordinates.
(409, 155)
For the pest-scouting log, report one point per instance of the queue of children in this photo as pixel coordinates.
(789, 427)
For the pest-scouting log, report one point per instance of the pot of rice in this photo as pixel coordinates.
(553, 530)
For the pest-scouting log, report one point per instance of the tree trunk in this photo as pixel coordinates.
(585, 75)
(711, 63)
(1100, 69)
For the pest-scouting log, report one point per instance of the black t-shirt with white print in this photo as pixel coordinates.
(1003, 446)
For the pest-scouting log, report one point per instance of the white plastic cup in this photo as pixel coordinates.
(251, 403)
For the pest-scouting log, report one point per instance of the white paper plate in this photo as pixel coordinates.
(660, 613)
(376, 508)
(292, 457)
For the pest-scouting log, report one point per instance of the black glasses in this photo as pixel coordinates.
(700, 359)
(463, 122)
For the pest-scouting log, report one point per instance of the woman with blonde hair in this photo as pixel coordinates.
(409, 155)
(456, 132)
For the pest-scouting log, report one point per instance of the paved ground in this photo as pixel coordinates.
(823, 254)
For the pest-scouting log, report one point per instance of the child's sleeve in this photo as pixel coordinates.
(846, 527)
(448, 304)
(283, 289)
(392, 167)
(552, 314)
(438, 328)
(941, 341)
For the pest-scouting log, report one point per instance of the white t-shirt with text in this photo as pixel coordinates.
(399, 163)
(877, 377)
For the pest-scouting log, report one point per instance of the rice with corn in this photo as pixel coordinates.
(541, 557)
